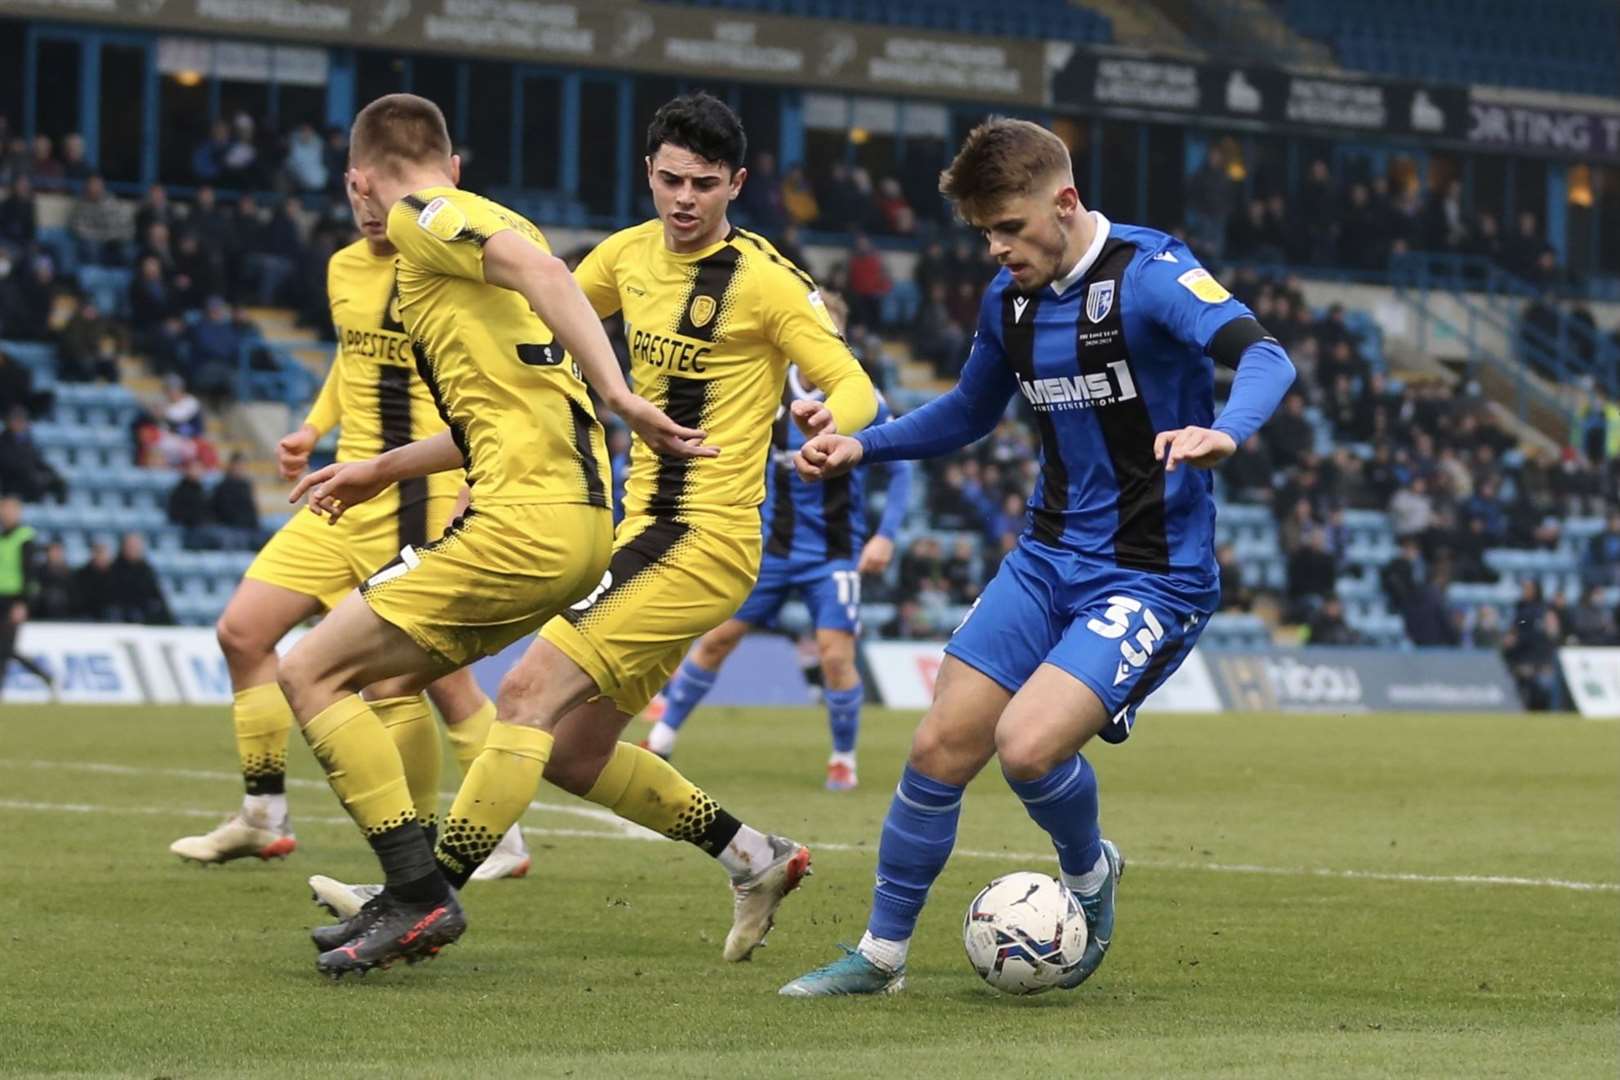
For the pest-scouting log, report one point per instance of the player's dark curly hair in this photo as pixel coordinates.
(703, 124)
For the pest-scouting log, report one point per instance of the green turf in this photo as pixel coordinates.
(605, 962)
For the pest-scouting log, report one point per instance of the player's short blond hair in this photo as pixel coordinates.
(1003, 159)
(397, 130)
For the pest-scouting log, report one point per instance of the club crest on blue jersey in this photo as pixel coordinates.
(1100, 300)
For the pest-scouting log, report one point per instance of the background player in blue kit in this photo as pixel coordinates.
(815, 546)
(1110, 333)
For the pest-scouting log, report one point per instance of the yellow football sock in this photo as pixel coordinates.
(362, 765)
(498, 788)
(262, 718)
(467, 738)
(409, 721)
(642, 787)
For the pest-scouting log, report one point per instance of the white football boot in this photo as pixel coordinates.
(510, 859)
(757, 897)
(238, 837)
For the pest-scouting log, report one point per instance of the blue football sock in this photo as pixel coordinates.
(918, 836)
(687, 687)
(1064, 803)
(844, 717)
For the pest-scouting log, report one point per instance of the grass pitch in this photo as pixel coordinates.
(1364, 896)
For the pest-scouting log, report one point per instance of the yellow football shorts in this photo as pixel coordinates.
(496, 574)
(669, 583)
(326, 561)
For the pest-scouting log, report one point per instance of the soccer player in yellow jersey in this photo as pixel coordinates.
(375, 394)
(489, 313)
(713, 315)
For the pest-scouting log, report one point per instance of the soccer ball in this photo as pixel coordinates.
(1022, 932)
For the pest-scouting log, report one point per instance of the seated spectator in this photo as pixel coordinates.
(24, 472)
(176, 438)
(1603, 554)
(868, 284)
(1289, 433)
(1428, 620)
(76, 166)
(214, 346)
(198, 273)
(19, 215)
(155, 209)
(799, 198)
(336, 151)
(1486, 630)
(276, 252)
(1589, 623)
(1313, 574)
(1468, 549)
(239, 164)
(1235, 595)
(1486, 506)
(188, 503)
(89, 346)
(961, 584)
(1445, 228)
(233, 506)
(306, 159)
(92, 587)
(1249, 475)
(208, 160)
(17, 389)
(1411, 510)
(1327, 625)
(102, 225)
(922, 569)
(1523, 247)
(28, 300)
(54, 600)
(936, 337)
(136, 596)
(157, 243)
(895, 213)
(1402, 575)
(44, 167)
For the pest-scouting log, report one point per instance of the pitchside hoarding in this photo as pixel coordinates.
(1364, 680)
(1593, 678)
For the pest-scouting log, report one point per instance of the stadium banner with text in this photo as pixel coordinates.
(1354, 680)
(1593, 678)
(904, 672)
(112, 664)
(614, 34)
(1543, 124)
(109, 664)
(1257, 96)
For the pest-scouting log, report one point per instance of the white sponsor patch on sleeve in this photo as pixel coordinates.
(1199, 282)
(442, 218)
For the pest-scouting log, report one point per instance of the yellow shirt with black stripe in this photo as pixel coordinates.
(711, 335)
(373, 392)
(515, 403)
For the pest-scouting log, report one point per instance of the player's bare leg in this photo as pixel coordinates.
(956, 739)
(1038, 741)
(843, 694)
(691, 681)
(256, 618)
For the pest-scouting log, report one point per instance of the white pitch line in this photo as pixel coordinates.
(593, 813)
(641, 834)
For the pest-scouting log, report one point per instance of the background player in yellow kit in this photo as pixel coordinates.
(489, 312)
(375, 395)
(712, 315)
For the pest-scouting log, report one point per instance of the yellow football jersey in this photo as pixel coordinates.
(515, 403)
(711, 335)
(372, 390)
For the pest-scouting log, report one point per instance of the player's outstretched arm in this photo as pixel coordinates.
(513, 262)
(337, 487)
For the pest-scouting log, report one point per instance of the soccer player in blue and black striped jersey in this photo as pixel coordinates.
(816, 546)
(1110, 333)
